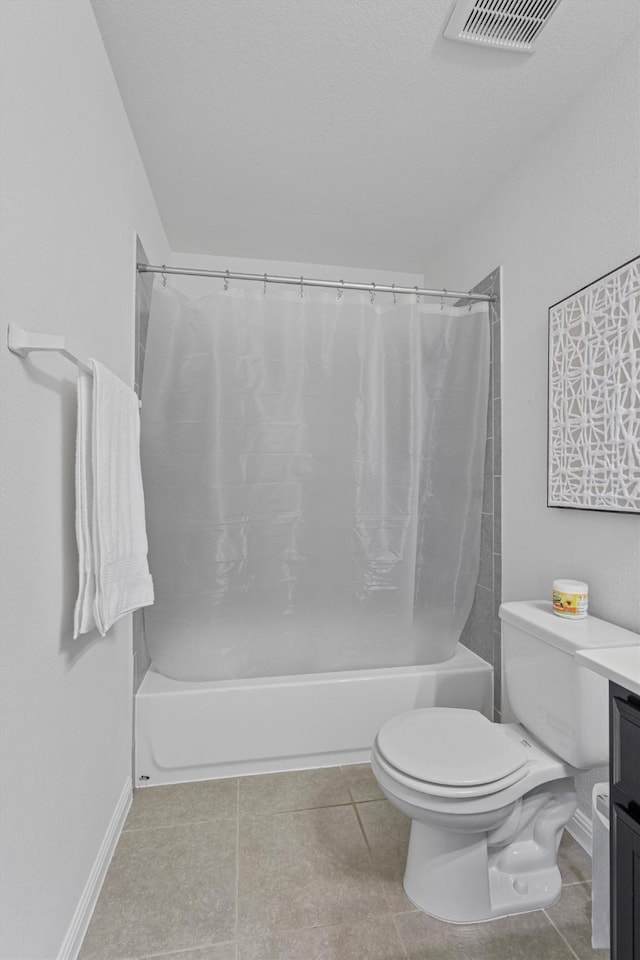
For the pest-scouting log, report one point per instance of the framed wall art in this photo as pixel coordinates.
(594, 395)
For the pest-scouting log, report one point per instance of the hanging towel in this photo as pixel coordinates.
(113, 572)
(84, 620)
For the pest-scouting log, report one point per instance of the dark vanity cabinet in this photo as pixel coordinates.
(624, 731)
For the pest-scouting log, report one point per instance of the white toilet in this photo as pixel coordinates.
(488, 801)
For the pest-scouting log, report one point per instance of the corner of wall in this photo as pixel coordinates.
(481, 632)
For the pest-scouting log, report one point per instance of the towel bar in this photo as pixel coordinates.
(22, 342)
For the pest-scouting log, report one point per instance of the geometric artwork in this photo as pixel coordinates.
(594, 395)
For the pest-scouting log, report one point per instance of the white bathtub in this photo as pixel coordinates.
(200, 731)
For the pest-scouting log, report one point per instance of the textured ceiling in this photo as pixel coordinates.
(336, 131)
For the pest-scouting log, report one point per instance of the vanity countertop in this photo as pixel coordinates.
(620, 664)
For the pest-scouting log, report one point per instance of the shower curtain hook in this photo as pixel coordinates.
(393, 291)
(264, 286)
(442, 296)
(372, 295)
(164, 276)
(226, 281)
(340, 291)
(301, 287)
(417, 295)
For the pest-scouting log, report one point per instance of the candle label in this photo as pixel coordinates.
(570, 604)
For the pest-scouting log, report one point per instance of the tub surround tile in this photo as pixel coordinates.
(497, 515)
(167, 889)
(182, 803)
(497, 586)
(496, 385)
(497, 436)
(477, 634)
(297, 790)
(487, 486)
(489, 428)
(373, 939)
(387, 834)
(485, 573)
(361, 782)
(141, 659)
(497, 674)
(144, 291)
(304, 869)
(528, 936)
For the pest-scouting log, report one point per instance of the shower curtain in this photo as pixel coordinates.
(313, 474)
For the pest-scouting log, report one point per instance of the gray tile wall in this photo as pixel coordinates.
(144, 286)
(481, 633)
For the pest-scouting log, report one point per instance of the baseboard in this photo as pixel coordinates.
(581, 830)
(83, 912)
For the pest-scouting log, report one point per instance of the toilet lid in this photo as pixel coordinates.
(449, 746)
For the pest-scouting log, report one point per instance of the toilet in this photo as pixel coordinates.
(488, 802)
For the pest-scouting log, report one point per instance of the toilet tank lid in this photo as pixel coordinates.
(537, 618)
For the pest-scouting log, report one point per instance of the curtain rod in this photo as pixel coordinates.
(339, 285)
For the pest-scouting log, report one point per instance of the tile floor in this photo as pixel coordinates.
(298, 866)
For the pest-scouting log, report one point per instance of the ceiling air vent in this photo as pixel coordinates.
(505, 24)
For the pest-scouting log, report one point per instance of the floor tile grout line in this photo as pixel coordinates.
(177, 823)
(353, 921)
(561, 935)
(405, 949)
(362, 831)
(371, 857)
(177, 953)
(355, 799)
(268, 813)
(348, 785)
(277, 813)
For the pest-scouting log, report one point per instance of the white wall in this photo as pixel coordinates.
(74, 195)
(568, 214)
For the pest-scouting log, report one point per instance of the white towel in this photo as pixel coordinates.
(114, 576)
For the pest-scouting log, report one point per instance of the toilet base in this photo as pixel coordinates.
(467, 892)
(467, 878)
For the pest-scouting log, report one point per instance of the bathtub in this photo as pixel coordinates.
(207, 730)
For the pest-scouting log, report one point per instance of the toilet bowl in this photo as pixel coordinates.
(488, 802)
(487, 822)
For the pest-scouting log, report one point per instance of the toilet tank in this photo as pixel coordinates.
(563, 704)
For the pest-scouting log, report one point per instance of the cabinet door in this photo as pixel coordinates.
(625, 914)
(625, 769)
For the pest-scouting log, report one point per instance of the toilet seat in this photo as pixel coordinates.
(448, 752)
(445, 793)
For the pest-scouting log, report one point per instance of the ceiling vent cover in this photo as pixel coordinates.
(505, 24)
